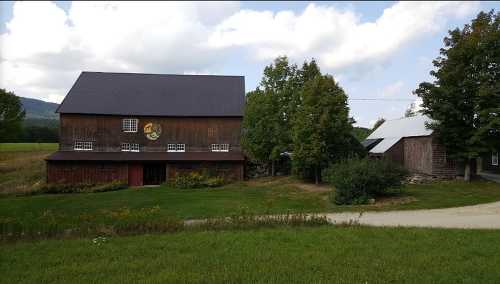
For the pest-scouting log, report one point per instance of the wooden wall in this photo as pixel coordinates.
(107, 134)
(418, 154)
(442, 165)
(229, 170)
(396, 153)
(86, 172)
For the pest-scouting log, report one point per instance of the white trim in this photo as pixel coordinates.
(83, 146)
(172, 147)
(130, 147)
(494, 158)
(219, 147)
(130, 125)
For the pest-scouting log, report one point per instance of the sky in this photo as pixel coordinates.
(375, 50)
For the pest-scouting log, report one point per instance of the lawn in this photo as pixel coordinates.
(282, 255)
(28, 147)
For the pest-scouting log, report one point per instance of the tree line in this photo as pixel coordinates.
(301, 113)
(12, 123)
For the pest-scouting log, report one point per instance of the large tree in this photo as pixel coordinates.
(464, 99)
(322, 128)
(11, 116)
(271, 108)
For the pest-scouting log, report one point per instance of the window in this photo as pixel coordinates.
(494, 158)
(83, 146)
(129, 124)
(212, 132)
(130, 147)
(220, 147)
(176, 148)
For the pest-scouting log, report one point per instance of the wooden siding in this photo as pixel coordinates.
(418, 154)
(86, 172)
(396, 153)
(106, 132)
(442, 165)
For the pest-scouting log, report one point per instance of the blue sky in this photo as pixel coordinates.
(374, 49)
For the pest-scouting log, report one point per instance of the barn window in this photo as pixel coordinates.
(130, 147)
(130, 124)
(212, 132)
(494, 158)
(176, 147)
(83, 146)
(219, 147)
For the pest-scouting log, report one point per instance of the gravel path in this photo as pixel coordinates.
(483, 216)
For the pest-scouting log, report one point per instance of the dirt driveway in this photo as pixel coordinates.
(483, 216)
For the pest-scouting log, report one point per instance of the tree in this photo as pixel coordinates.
(11, 116)
(322, 128)
(464, 99)
(259, 126)
(411, 111)
(377, 123)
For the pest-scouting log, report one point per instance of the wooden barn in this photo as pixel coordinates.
(408, 142)
(143, 129)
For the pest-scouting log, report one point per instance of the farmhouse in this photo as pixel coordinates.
(408, 142)
(145, 128)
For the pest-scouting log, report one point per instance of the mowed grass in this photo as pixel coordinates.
(284, 255)
(28, 147)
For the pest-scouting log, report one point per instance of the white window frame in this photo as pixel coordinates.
(172, 147)
(130, 147)
(83, 146)
(494, 158)
(130, 125)
(219, 147)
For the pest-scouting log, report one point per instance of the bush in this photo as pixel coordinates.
(82, 187)
(358, 180)
(196, 180)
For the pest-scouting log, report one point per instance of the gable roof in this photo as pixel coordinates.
(392, 131)
(155, 95)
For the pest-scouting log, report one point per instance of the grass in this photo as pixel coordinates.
(28, 147)
(283, 255)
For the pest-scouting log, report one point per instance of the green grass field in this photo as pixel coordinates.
(136, 205)
(28, 147)
(285, 255)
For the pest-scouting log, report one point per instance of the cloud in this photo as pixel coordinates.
(45, 47)
(336, 37)
(393, 89)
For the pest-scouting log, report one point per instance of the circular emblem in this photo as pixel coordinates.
(152, 130)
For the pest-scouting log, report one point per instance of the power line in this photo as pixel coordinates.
(375, 99)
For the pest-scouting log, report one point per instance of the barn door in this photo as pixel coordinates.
(154, 174)
(135, 175)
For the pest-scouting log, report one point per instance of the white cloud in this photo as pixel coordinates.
(393, 89)
(45, 48)
(337, 38)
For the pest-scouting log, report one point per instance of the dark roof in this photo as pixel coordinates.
(145, 156)
(370, 143)
(155, 95)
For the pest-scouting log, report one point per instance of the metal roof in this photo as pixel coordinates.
(403, 127)
(392, 131)
(155, 95)
(145, 156)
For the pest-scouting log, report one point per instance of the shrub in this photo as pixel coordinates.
(358, 180)
(196, 180)
(82, 187)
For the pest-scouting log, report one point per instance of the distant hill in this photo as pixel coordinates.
(38, 109)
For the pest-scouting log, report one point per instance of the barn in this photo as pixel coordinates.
(144, 129)
(408, 142)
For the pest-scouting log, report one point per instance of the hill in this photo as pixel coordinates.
(38, 109)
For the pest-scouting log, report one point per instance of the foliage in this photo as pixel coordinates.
(411, 110)
(361, 133)
(196, 180)
(464, 99)
(358, 180)
(377, 124)
(82, 187)
(39, 134)
(271, 108)
(11, 116)
(322, 128)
